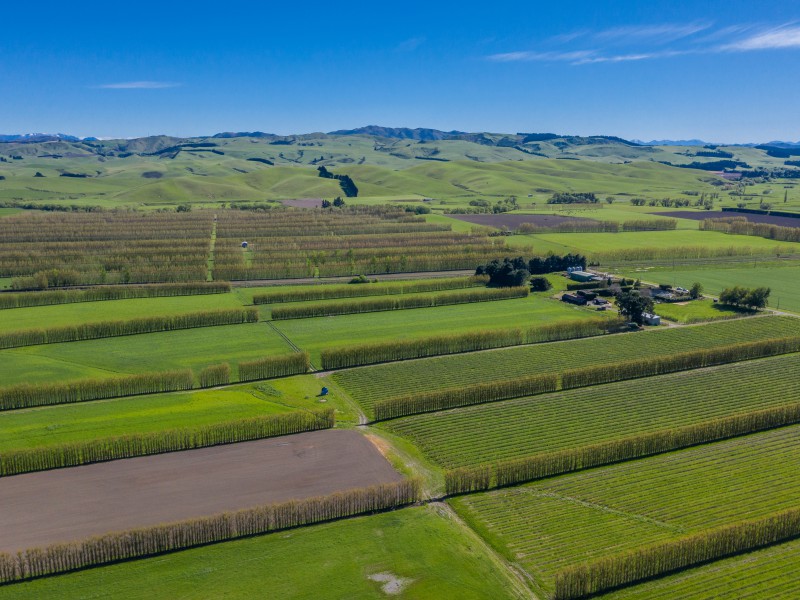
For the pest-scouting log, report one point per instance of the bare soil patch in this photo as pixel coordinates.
(304, 202)
(708, 214)
(515, 220)
(72, 504)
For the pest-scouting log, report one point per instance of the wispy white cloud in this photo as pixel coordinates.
(785, 36)
(138, 85)
(659, 33)
(410, 44)
(660, 41)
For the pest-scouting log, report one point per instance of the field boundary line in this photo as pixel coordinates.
(292, 345)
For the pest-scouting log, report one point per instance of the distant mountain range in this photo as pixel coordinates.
(416, 134)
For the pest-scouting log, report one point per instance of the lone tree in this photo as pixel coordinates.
(696, 290)
(633, 306)
(338, 202)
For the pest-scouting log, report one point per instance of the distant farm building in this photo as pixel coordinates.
(583, 276)
(574, 299)
(650, 319)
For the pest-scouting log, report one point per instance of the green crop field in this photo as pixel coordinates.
(770, 573)
(586, 416)
(41, 317)
(423, 548)
(367, 384)
(315, 334)
(193, 348)
(783, 280)
(604, 244)
(139, 414)
(627, 505)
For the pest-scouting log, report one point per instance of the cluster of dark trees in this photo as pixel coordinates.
(511, 272)
(633, 305)
(753, 299)
(345, 182)
(572, 198)
(337, 202)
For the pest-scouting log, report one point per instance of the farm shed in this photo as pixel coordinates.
(582, 276)
(650, 319)
(574, 299)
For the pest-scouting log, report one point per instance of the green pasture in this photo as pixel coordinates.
(621, 507)
(764, 574)
(368, 384)
(85, 421)
(187, 348)
(433, 555)
(318, 333)
(58, 315)
(783, 280)
(697, 311)
(598, 414)
(592, 244)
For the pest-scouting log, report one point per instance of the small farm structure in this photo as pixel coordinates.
(651, 319)
(574, 299)
(583, 276)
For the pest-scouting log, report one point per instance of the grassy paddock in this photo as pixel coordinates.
(189, 348)
(432, 554)
(699, 311)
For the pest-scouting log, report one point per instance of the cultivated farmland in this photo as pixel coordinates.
(368, 384)
(626, 506)
(183, 485)
(587, 416)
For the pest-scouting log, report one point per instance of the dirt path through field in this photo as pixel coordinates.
(71, 504)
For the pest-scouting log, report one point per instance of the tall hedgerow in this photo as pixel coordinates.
(78, 453)
(274, 366)
(113, 547)
(26, 395)
(396, 303)
(214, 375)
(330, 292)
(613, 571)
(519, 470)
(90, 331)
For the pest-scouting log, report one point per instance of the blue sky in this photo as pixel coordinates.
(720, 71)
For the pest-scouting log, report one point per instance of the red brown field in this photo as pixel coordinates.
(72, 504)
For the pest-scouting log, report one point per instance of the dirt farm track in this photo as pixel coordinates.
(79, 502)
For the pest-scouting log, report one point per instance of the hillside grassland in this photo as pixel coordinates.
(767, 573)
(367, 384)
(428, 551)
(624, 506)
(192, 348)
(598, 414)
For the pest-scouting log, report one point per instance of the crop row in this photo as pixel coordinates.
(487, 434)
(114, 547)
(350, 307)
(629, 506)
(745, 227)
(331, 292)
(684, 252)
(111, 292)
(28, 395)
(652, 561)
(368, 384)
(590, 226)
(97, 450)
(90, 331)
(539, 384)
(365, 354)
